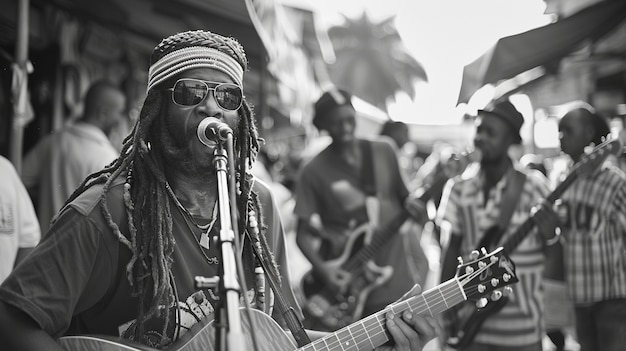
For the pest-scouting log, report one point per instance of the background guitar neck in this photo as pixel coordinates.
(380, 236)
(522, 231)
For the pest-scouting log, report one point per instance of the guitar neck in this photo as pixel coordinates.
(522, 231)
(371, 331)
(380, 236)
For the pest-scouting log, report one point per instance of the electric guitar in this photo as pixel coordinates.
(332, 309)
(474, 319)
(482, 278)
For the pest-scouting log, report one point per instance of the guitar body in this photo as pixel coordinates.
(333, 310)
(270, 337)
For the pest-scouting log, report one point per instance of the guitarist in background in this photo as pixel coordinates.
(334, 197)
(473, 205)
(592, 218)
(121, 257)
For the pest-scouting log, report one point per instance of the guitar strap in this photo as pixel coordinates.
(289, 315)
(508, 203)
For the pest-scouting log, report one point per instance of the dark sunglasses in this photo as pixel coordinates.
(190, 92)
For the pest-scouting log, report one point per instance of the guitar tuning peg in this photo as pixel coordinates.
(507, 291)
(474, 254)
(481, 303)
(495, 282)
(460, 260)
(483, 251)
(496, 295)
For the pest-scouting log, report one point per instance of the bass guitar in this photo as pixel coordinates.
(335, 309)
(473, 320)
(482, 278)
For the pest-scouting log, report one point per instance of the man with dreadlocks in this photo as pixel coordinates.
(121, 256)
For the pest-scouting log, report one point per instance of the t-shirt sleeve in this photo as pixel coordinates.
(306, 199)
(69, 271)
(399, 181)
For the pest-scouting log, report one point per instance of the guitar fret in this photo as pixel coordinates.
(367, 334)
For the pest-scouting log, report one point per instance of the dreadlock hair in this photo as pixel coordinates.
(150, 238)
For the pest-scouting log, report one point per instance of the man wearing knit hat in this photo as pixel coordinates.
(498, 193)
(121, 258)
(352, 186)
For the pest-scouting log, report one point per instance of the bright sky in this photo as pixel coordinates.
(443, 35)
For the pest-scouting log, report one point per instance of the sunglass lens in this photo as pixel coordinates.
(228, 96)
(189, 92)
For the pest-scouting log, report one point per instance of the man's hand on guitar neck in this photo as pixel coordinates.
(408, 330)
(547, 222)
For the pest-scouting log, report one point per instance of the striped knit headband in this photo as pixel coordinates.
(194, 57)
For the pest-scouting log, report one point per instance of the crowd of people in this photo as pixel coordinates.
(125, 245)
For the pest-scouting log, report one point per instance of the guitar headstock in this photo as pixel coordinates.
(484, 276)
(594, 158)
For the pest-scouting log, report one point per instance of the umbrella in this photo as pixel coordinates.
(543, 46)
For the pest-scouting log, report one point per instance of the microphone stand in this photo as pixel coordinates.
(230, 331)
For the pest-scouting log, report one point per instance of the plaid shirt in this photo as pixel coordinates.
(463, 205)
(593, 222)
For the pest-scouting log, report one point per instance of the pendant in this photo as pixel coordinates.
(204, 240)
(213, 260)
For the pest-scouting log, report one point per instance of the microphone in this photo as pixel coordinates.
(211, 130)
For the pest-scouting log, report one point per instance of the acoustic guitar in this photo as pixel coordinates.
(482, 278)
(471, 323)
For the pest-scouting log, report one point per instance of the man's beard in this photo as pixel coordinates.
(180, 156)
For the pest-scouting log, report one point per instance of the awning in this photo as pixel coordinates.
(543, 46)
(146, 22)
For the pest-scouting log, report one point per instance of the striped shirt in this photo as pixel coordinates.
(592, 218)
(463, 205)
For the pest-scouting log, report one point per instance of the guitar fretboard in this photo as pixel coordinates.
(520, 233)
(371, 332)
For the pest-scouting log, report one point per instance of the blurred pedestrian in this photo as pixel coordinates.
(19, 228)
(398, 133)
(59, 162)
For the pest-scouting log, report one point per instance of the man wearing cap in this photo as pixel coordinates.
(351, 183)
(482, 199)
